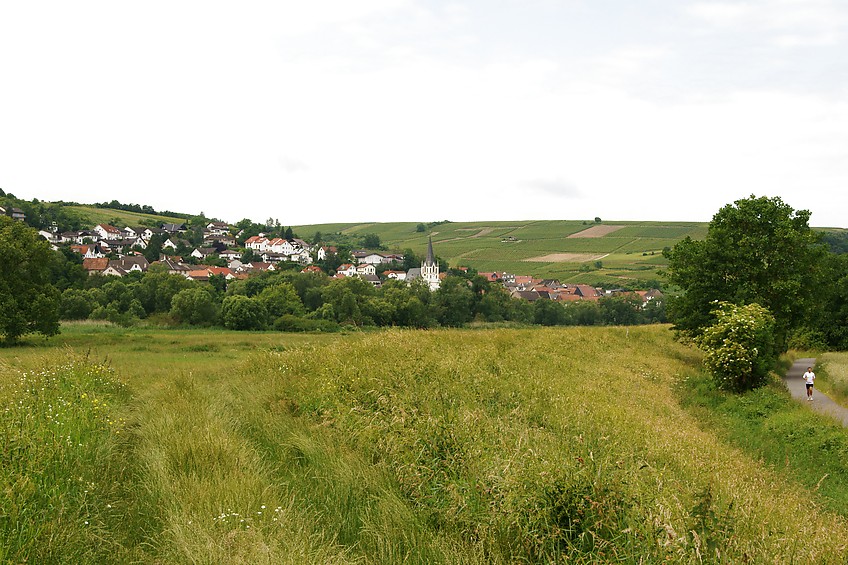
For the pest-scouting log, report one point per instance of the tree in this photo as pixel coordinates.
(194, 306)
(454, 302)
(242, 313)
(371, 241)
(281, 299)
(757, 250)
(28, 302)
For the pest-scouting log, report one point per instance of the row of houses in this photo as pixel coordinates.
(104, 240)
(532, 289)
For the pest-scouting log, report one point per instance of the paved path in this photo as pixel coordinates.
(821, 403)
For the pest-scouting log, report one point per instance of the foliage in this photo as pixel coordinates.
(28, 302)
(739, 347)
(242, 313)
(61, 471)
(195, 306)
(757, 250)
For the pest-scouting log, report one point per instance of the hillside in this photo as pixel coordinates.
(607, 254)
(93, 216)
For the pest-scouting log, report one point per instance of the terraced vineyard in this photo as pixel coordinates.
(572, 251)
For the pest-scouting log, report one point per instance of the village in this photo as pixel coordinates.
(112, 251)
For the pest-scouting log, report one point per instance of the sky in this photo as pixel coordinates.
(410, 110)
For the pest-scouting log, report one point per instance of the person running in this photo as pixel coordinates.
(809, 377)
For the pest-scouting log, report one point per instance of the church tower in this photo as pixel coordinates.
(430, 269)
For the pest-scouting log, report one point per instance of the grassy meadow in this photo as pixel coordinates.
(832, 376)
(566, 445)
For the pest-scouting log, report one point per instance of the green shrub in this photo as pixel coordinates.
(290, 323)
(739, 346)
(242, 313)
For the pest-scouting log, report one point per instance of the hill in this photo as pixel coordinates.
(92, 215)
(604, 254)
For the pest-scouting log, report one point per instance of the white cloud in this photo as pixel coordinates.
(358, 106)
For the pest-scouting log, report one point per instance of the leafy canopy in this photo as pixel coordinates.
(757, 250)
(28, 302)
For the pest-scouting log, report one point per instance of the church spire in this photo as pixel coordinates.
(430, 259)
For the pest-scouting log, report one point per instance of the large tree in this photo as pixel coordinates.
(28, 302)
(757, 250)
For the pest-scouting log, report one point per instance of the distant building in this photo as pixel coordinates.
(429, 270)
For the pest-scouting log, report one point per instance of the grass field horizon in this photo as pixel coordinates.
(570, 445)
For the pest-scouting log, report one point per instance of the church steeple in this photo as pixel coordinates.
(429, 267)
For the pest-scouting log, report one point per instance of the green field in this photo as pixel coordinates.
(94, 216)
(631, 255)
(449, 446)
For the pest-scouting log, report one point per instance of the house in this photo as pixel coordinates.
(224, 241)
(397, 275)
(284, 246)
(218, 228)
(311, 269)
(127, 265)
(95, 265)
(108, 232)
(49, 236)
(587, 292)
(303, 257)
(260, 267)
(174, 228)
(347, 269)
(126, 244)
(370, 257)
(230, 254)
(325, 250)
(132, 232)
(225, 272)
(173, 267)
(528, 295)
(175, 243)
(272, 257)
(15, 213)
(373, 279)
(366, 269)
(150, 232)
(256, 243)
(204, 252)
(201, 275)
(90, 251)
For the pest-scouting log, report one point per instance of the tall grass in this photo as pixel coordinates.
(832, 375)
(62, 494)
(565, 445)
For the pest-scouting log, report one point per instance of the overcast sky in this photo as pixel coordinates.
(411, 110)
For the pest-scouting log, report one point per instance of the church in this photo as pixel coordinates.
(429, 270)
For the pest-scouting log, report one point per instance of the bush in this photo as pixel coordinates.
(242, 313)
(740, 346)
(290, 323)
(194, 306)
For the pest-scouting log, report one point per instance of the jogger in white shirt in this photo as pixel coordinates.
(809, 377)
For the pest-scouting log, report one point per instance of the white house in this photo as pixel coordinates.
(257, 243)
(107, 232)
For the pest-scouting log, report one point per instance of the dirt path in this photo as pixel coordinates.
(821, 403)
